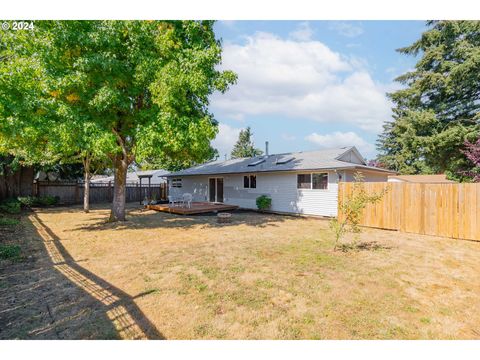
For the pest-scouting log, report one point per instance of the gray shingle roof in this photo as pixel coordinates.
(308, 160)
(133, 177)
(156, 173)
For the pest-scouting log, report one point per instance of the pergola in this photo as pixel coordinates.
(149, 177)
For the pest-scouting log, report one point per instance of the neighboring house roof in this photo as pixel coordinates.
(153, 173)
(98, 177)
(425, 179)
(308, 160)
(133, 177)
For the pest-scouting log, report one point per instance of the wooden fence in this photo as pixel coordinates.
(15, 183)
(450, 210)
(72, 192)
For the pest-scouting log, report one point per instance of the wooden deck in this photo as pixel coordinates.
(197, 208)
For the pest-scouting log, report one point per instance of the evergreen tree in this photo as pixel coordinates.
(438, 108)
(244, 146)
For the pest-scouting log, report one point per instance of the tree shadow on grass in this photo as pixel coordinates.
(51, 296)
(138, 218)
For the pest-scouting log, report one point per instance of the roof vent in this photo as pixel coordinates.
(255, 163)
(283, 161)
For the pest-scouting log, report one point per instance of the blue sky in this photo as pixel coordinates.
(306, 85)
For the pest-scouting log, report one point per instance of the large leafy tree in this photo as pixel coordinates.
(38, 125)
(25, 115)
(142, 85)
(438, 107)
(81, 141)
(244, 147)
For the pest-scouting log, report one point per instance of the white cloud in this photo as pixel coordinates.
(300, 79)
(227, 137)
(303, 32)
(346, 29)
(339, 139)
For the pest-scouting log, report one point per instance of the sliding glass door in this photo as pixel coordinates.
(215, 189)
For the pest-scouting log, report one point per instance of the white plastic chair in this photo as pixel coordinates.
(187, 199)
(171, 200)
(174, 197)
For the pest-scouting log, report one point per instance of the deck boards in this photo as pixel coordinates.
(197, 208)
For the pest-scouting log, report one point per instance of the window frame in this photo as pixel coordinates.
(175, 182)
(326, 184)
(247, 180)
(254, 182)
(304, 174)
(311, 173)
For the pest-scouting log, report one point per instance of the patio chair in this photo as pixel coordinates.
(171, 200)
(174, 200)
(187, 199)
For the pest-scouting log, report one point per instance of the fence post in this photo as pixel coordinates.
(139, 190)
(76, 193)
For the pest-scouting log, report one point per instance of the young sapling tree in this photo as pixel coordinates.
(351, 209)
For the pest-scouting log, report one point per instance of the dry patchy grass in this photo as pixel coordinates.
(260, 277)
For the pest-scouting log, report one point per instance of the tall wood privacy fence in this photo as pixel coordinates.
(15, 183)
(72, 192)
(451, 210)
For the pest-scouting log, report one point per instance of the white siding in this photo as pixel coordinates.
(352, 157)
(196, 185)
(281, 187)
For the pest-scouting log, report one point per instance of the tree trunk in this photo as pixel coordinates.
(119, 188)
(86, 192)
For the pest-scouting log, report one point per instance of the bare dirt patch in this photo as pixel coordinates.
(259, 277)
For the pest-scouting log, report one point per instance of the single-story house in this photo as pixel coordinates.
(421, 179)
(156, 177)
(300, 182)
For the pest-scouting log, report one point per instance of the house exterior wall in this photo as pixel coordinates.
(281, 187)
(352, 157)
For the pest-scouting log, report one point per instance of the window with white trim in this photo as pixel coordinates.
(320, 181)
(176, 183)
(317, 181)
(250, 181)
(304, 181)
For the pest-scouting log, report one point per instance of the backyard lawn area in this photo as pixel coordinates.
(262, 276)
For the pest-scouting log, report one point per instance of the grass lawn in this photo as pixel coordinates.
(261, 277)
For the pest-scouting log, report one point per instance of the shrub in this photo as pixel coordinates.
(28, 201)
(9, 252)
(46, 200)
(263, 202)
(10, 206)
(8, 222)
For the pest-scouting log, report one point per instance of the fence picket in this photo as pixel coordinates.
(72, 193)
(450, 210)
